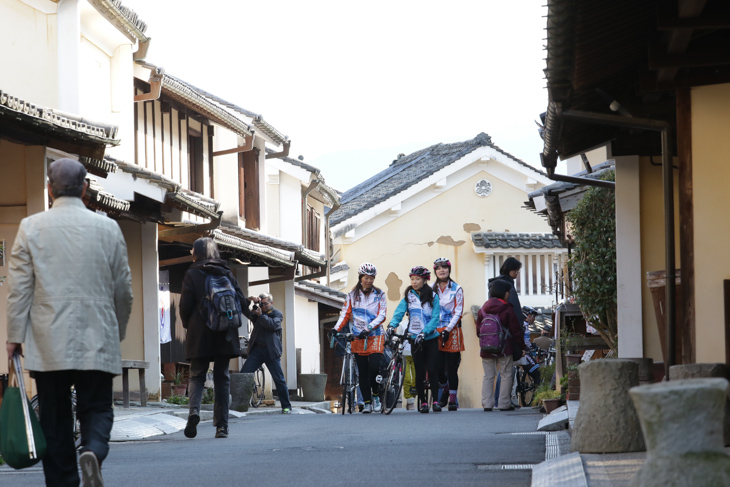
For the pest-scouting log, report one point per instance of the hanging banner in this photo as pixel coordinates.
(164, 307)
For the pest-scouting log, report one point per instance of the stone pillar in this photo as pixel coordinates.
(241, 391)
(681, 423)
(697, 371)
(606, 421)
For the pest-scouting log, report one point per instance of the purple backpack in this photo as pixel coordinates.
(492, 335)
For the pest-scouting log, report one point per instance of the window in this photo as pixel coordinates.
(313, 226)
(195, 163)
(248, 188)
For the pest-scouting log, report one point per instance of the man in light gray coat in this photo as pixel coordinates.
(69, 302)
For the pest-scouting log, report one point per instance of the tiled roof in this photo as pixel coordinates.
(123, 18)
(320, 293)
(256, 119)
(339, 267)
(303, 255)
(562, 187)
(502, 240)
(68, 125)
(98, 197)
(259, 253)
(191, 96)
(407, 171)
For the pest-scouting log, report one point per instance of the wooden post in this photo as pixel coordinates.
(686, 328)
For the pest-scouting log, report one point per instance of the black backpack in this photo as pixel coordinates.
(222, 310)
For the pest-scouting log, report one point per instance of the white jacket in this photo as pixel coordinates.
(70, 289)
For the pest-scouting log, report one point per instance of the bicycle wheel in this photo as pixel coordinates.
(393, 386)
(35, 406)
(259, 394)
(344, 381)
(526, 389)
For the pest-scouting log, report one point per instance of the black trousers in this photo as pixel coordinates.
(449, 369)
(93, 410)
(368, 367)
(426, 359)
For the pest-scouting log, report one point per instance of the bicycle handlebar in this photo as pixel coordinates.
(347, 336)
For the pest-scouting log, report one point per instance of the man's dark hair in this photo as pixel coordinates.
(66, 177)
(499, 289)
(510, 264)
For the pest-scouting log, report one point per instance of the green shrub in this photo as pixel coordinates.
(174, 399)
(209, 396)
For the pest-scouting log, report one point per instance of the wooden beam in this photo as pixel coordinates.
(695, 23)
(659, 59)
(287, 276)
(177, 260)
(243, 148)
(679, 39)
(686, 329)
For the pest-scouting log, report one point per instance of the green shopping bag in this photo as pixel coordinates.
(22, 443)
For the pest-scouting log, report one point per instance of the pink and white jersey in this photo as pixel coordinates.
(451, 300)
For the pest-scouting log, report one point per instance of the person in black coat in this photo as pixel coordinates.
(508, 272)
(204, 345)
(264, 345)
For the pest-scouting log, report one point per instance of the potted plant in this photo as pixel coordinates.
(573, 383)
(178, 386)
(549, 398)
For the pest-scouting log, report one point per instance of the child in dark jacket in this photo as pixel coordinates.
(493, 364)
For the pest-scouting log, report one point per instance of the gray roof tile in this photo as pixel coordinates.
(407, 171)
(503, 240)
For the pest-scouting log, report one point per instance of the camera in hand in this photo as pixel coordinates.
(255, 307)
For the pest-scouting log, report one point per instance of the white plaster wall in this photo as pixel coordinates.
(95, 83)
(29, 53)
(307, 337)
(290, 208)
(225, 173)
(272, 201)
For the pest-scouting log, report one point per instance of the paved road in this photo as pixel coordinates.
(406, 448)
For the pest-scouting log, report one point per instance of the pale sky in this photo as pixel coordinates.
(353, 84)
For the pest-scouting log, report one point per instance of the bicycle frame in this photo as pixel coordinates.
(348, 377)
(394, 374)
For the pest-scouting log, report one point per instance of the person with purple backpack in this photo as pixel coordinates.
(499, 332)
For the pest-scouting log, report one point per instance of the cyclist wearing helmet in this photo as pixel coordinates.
(451, 343)
(364, 310)
(423, 309)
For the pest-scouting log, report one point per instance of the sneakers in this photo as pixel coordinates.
(191, 429)
(452, 402)
(367, 408)
(511, 408)
(487, 409)
(377, 406)
(286, 411)
(436, 407)
(424, 408)
(410, 404)
(221, 432)
(360, 406)
(90, 470)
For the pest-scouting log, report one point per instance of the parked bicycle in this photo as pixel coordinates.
(527, 378)
(348, 378)
(34, 404)
(259, 393)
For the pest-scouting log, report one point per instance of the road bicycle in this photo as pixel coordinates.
(34, 404)
(395, 373)
(526, 385)
(349, 376)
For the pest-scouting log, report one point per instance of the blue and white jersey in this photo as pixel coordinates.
(423, 318)
(451, 301)
(362, 310)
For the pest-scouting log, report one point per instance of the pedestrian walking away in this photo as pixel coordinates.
(423, 309)
(204, 345)
(69, 302)
(451, 342)
(265, 347)
(500, 313)
(364, 312)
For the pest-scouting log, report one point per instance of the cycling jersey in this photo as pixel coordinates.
(451, 301)
(422, 317)
(361, 311)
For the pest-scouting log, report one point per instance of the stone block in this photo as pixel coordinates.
(606, 421)
(681, 421)
(241, 391)
(697, 371)
(555, 421)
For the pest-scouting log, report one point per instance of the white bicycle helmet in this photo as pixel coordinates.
(367, 269)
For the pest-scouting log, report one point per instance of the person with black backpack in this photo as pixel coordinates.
(497, 327)
(212, 307)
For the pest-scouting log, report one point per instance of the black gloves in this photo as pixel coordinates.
(388, 332)
(419, 339)
(444, 336)
(363, 334)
